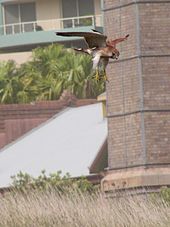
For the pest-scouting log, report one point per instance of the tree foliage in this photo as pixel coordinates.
(51, 70)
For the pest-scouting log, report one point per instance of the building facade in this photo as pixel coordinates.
(138, 95)
(26, 24)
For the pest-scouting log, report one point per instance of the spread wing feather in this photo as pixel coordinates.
(93, 39)
(116, 41)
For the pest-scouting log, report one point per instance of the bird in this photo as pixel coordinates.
(99, 47)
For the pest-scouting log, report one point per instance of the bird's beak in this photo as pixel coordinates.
(115, 56)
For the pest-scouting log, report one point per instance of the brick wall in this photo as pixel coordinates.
(17, 119)
(138, 94)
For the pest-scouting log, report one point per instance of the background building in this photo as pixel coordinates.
(72, 141)
(28, 24)
(138, 95)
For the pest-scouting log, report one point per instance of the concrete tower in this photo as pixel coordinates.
(138, 95)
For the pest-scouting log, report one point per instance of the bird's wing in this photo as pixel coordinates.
(116, 41)
(93, 39)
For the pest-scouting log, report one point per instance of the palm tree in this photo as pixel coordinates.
(51, 70)
(79, 76)
(62, 69)
(46, 61)
(9, 82)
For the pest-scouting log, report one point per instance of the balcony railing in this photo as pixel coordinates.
(48, 25)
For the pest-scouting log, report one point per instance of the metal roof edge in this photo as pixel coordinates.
(100, 150)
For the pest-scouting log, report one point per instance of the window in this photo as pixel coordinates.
(16, 15)
(86, 7)
(77, 8)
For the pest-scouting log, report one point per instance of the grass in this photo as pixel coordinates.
(76, 209)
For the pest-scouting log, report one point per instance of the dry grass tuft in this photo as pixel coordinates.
(75, 209)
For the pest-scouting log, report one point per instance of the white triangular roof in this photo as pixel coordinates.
(68, 142)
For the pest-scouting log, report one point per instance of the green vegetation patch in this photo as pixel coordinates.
(51, 70)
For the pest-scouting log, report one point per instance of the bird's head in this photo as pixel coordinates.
(115, 54)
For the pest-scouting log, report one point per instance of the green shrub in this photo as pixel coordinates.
(163, 195)
(24, 182)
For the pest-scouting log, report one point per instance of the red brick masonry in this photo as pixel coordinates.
(17, 119)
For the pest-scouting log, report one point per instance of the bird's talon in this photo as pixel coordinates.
(97, 78)
(105, 76)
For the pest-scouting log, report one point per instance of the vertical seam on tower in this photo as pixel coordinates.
(123, 94)
(140, 82)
